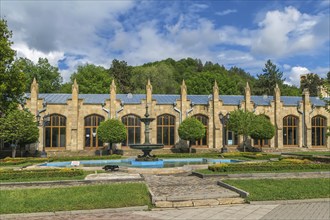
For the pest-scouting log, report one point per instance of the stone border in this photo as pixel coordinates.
(241, 192)
(266, 175)
(73, 212)
(274, 202)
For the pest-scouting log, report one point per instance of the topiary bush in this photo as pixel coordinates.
(111, 131)
(191, 129)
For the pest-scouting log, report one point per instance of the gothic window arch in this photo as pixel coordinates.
(55, 132)
(205, 121)
(166, 129)
(91, 123)
(290, 130)
(319, 130)
(133, 127)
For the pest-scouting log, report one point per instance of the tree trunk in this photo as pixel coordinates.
(244, 142)
(110, 149)
(190, 144)
(13, 152)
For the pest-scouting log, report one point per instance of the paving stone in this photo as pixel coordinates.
(163, 204)
(205, 202)
(182, 204)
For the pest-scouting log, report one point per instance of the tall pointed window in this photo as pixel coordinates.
(205, 122)
(133, 128)
(166, 129)
(319, 130)
(290, 130)
(55, 132)
(91, 138)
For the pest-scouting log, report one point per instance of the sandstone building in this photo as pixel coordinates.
(68, 122)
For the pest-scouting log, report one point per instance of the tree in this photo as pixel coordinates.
(111, 131)
(18, 127)
(48, 77)
(288, 90)
(12, 84)
(262, 128)
(241, 122)
(121, 72)
(190, 130)
(161, 77)
(267, 81)
(311, 82)
(92, 79)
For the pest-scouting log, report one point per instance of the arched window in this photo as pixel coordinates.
(91, 138)
(319, 130)
(231, 138)
(166, 129)
(205, 122)
(133, 128)
(290, 130)
(55, 132)
(262, 142)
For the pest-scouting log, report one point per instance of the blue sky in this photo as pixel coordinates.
(293, 34)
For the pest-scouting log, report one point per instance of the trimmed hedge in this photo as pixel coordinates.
(260, 156)
(269, 166)
(8, 161)
(27, 174)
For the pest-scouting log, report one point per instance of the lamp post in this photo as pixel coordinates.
(46, 118)
(45, 121)
(224, 119)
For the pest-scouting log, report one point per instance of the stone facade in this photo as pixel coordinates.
(75, 108)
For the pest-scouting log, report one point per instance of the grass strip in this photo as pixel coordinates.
(74, 198)
(207, 171)
(284, 189)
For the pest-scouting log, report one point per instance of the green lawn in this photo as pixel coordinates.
(207, 171)
(74, 198)
(283, 189)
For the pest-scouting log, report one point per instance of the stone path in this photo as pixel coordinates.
(184, 191)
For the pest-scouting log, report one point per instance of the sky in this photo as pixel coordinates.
(295, 35)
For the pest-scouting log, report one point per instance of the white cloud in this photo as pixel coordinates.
(288, 32)
(24, 51)
(127, 31)
(226, 12)
(293, 77)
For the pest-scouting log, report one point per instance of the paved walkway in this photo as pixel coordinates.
(303, 210)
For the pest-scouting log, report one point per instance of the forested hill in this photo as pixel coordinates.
(166, 77)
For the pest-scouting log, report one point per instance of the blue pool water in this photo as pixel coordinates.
(130, 162)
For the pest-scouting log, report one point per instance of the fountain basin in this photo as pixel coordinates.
(146, 164)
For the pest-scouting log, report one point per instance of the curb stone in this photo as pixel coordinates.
(280, 202)
(73, 212)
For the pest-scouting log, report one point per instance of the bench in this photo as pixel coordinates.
(111, 168)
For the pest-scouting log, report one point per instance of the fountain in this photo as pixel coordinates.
(147, 159)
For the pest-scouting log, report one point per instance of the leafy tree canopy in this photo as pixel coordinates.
(268, 79)
(262, 128)
(311, 82)
(12, 84)
(191, 129)
(241, 122)
(122, 73)
(91, 79)
(48, 77)
(18, 127)
(112, 131)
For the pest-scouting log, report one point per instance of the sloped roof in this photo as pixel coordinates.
(60, 98)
